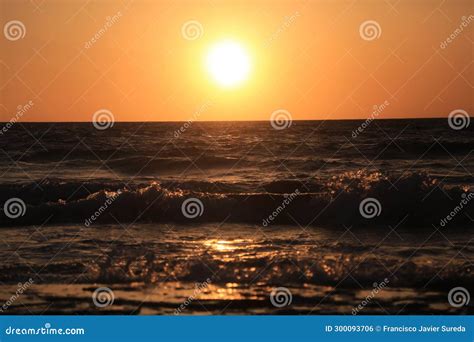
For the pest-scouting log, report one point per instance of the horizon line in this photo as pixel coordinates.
(182, 121)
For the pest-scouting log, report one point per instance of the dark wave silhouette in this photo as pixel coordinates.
(414, 199)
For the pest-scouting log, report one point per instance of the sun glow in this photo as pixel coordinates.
(228, 63)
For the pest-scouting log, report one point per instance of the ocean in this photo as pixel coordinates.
(321, 217)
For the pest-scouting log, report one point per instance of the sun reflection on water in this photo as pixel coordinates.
(222, 245)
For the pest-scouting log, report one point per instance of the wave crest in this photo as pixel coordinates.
(414, 199)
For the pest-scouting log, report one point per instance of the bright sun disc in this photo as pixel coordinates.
(228, 63)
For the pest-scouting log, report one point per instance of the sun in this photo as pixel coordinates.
(228, 63)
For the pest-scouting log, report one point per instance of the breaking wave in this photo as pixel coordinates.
(412, 199)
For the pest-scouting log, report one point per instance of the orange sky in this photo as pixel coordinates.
(308, 57)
